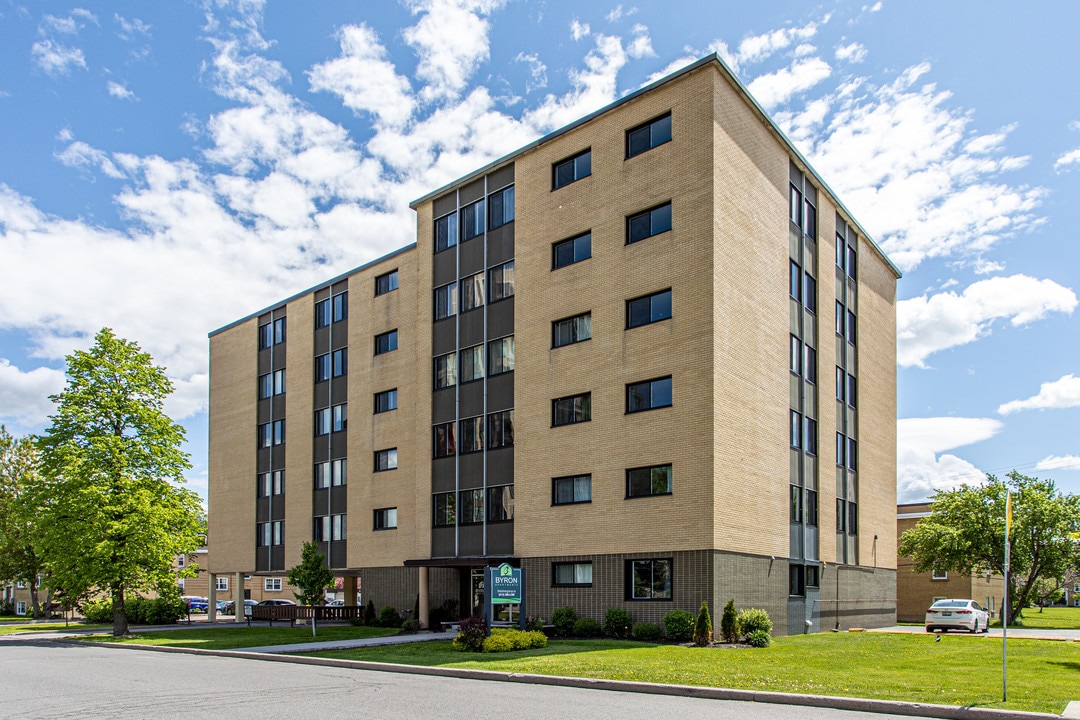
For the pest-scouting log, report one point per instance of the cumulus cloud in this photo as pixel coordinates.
(1056, 462)
(931, 323)
(119, 90)
(1067, 159)
(852, 53)
(446, 66)
(56, 59)
(579, 30)
(24, 396)
(923, 464)
(1063, 393)
(537, 71)
(780, 86)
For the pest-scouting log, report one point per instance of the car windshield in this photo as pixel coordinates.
(950, 604)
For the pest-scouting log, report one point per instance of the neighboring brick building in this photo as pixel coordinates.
(254, 588)
(579, 369)
(915, 592)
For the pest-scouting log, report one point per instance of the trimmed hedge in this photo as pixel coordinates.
(679, 625)
(645, 631)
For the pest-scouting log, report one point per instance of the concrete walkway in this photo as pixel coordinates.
(1014, 632)
(318, 645)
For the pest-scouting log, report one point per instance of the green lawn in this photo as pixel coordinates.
(1052, 618)
(227, 638)
(1043, 675)
(12, 629)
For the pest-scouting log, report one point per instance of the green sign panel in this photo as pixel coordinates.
(506, 585)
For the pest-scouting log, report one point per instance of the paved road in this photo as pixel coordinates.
(46, 679)
(1017, 632)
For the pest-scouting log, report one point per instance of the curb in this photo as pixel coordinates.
(894, 707)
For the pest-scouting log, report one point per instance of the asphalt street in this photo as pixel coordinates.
(46, 679)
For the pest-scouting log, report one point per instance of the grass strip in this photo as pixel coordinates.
(229, 638)
(44, 627)
(965, 671)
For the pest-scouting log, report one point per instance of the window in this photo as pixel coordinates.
(852, 454)
(648, 223)
(341, 306)
(445, 509)
(795, 205)
(270, 483)
(471, 431)
(936, 574)
(386, 519)
(571, 490)
(181, 561)
(796, 580)
(446, 371)
(20, 607)
(500, 507)
(272, 433)
(330, 527)
(648, 579)
(795, 280)
(841, 449)
(573, 409)
(852, 518)
(472, 363)
(810, 435)
(180, 584)
(809, 292)
(813, 576)
(851, 262)
(501, 207)
(501, 356)
(501, 282)
(386, 342)
(500, 429)
(571, 574)
(385, 460)
(221, 583)
(796, 493)
(571, 330)
(571, 169)
(472, 292)
(845, 322)
(322, 313)
(341, 418)
(322, 368)
(330, 474)
(385, 401)
(272, 384)
(648, 395)
(472, 220)
(572, 250)
(795, 356)
(340, 362)
(445, 440)
(386, 283)
(270, 533)
(810, 227)
(841, 515)
(266, 336)
(642, 482)
(796, 429)
(810, 364)
(647, 136)
(279, 331)
(322, 421)
(445, 301)
(446, 230)
(811, 509)
(851, 390)
(471, 507)
(272, 584)
(648, 309)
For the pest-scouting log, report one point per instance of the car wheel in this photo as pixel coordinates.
(974, 626)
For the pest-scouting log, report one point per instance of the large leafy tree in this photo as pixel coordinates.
(20, 560)
(965, 532)
(114, 510)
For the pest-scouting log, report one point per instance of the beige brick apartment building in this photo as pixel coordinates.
(579, 369)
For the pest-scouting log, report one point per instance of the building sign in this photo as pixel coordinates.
(506, 585)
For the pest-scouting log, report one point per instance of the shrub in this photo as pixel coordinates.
(679, 625)
(497, 642)
(563, 619)
(7, 607)
(369, 613)
(752, 620)
(356, 621)
(645, 631)
(534, 624)
(388, 617)
(703, 628)
(617, 623)
(729, 623)
(759, 639)
(410, 626)
(537, 638)
(506, 639)
(585, 628)
(159, 611)
(98, 611)
(471, 635)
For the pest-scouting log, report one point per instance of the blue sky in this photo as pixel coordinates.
(166, 168)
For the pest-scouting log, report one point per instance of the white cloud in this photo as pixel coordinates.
(929, 324)
(24, 396)
(907, 164)
(119, 90)
(537, 71)
(756, 48)
(852, 53)
(56, 59)
(640, 45)
(364, 79)
(446, 66)
(778, 87)
(70, 25)
(924, 466)
(80, 155)
(1063, 393)
(579, 30)
(130, 28)
(1056, 462)
(591, 88)
(1070, 158)
(617, 13)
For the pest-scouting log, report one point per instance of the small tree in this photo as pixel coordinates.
(729, 623)
(311, 578)
(20, 559)
(703, 628)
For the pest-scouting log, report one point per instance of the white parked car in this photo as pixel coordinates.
(957, 615)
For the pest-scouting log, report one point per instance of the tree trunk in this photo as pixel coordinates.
(120, 623)
(34, 598)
